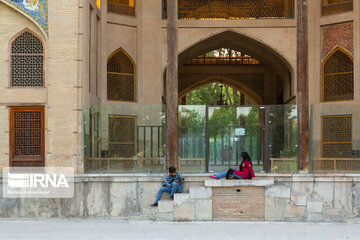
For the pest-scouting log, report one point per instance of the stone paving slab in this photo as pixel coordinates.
(54, 229)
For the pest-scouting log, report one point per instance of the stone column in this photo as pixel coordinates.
(172, 83)
(302, 95)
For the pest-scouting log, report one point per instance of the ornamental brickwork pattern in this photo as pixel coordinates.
(337, 35)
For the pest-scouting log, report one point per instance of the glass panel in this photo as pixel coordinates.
(233, 130)
(334, 142)
(127, 139)
(283, 138)
(124, 139)
(192, 139)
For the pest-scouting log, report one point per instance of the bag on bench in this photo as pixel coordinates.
(230, 174)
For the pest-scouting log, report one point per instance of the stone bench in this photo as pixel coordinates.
(238, 200)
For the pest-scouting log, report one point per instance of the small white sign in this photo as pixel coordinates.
(240, 131)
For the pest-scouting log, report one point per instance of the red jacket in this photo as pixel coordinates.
(246, 171)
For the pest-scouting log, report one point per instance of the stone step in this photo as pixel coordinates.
(166, 206)
(150, 210)
(165, 196)
(180, 198)
(140, 217)
(200, 192)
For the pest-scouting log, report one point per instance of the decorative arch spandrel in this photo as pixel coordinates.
(35, 10)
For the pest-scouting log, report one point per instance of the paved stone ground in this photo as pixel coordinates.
(121, 229)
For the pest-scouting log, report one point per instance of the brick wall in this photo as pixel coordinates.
(12, 23)
(337, 35)
(60, 94)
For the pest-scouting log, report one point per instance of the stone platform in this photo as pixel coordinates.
(288, 197)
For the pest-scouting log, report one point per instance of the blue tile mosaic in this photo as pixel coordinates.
(37, 9)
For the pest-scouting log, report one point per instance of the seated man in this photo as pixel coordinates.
(172, 185)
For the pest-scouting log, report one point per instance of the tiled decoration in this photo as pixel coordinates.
(36, 9)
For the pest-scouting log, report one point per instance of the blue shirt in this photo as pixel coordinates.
(170, 179)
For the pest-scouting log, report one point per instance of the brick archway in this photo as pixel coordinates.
(270, 82)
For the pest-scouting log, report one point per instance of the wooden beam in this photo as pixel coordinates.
(183, 100)
(302, 96)
(242, 99)
(172, 83)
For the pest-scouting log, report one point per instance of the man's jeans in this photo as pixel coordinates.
(223, 174)
(175, 188)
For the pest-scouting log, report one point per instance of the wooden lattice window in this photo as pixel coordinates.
(338, 77)
(122, 136)
(27, 61)
(337, 136)
(336, 6)
(121, 77)
(123, 7)
(232, 9)
(27, 137)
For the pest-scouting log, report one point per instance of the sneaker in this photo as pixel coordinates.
(154, 204)
(172, 198)
(213, 176)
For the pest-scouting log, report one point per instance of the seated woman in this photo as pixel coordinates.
(246, 170)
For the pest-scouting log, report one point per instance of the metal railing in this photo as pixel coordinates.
(336, 164)
(240, 60)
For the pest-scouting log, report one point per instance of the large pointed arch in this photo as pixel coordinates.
(271, 60)
(121, 77)
(337, 76)
(242, 43)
